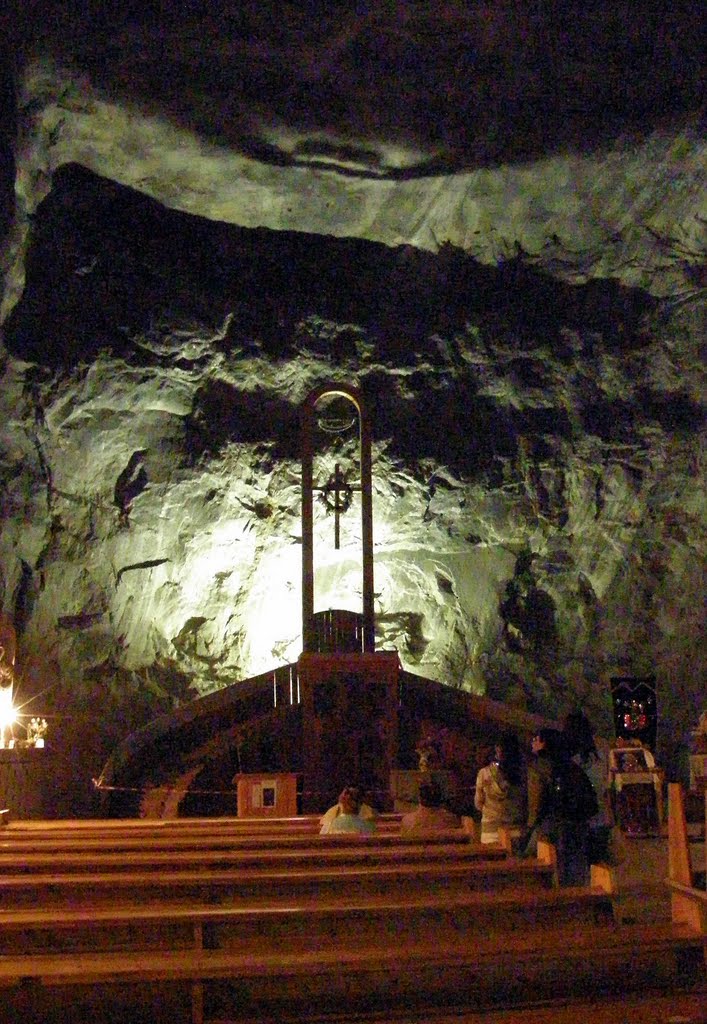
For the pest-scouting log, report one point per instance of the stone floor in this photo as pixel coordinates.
(643, 895)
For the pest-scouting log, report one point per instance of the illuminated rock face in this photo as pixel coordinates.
(526, 338)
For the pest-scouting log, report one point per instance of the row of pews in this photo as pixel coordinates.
(227, 921)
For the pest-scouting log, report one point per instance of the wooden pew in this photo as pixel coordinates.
(45, 825)
(63, 827)
(30, 832)
(602, 876)
(98, 888)
(208, 985)
(651, 1007)
(319, 852)
(217, 840)
(378, 926)
(307, 923)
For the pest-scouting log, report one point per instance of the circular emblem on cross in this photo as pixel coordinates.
(337, 492)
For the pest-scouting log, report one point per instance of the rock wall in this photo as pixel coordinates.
(182, 264)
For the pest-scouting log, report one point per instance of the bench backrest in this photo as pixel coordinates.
(323, 851)
(89, 888)
(13, 844)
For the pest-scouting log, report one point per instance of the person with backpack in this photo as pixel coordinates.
(580, 743)
(606, 843)
(561, 802)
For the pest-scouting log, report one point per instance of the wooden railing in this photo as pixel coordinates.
(688, 903)
(336, 631)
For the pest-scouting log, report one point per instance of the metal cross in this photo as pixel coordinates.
(337, 493)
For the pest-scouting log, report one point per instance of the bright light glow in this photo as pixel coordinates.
(338, 574)
(217, 565)
(8, 715)
(338, 584)
(221, 549)
(273, 621)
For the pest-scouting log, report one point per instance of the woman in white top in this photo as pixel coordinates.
(500, 792)
(348, 815)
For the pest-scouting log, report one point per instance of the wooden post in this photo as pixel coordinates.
(547, 854)
(369, 634)
(307, 532)
(506, 835)
(685, 907)
(471, 828)
(197, 988)
(679, 863)
(602, 876)
(197, 1002)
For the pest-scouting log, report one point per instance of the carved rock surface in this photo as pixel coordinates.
(526, 336)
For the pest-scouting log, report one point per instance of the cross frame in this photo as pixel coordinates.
(308, 419)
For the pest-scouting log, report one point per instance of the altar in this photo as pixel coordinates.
(636, 788)
(344, 713)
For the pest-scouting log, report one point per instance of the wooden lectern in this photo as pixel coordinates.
(267, 795)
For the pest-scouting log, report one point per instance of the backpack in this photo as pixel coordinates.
(573, 796)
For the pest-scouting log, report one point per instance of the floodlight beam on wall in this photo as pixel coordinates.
(353, 396)
(8, 713)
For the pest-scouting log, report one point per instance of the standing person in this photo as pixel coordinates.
(581, 747)
(560, 803)
(605, 844)
(500, 790)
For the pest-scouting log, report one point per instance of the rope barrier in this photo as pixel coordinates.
(162, 789)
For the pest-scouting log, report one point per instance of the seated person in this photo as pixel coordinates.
(430, 816)
(347, 816)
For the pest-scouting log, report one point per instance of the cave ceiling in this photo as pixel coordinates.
(488, 216)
